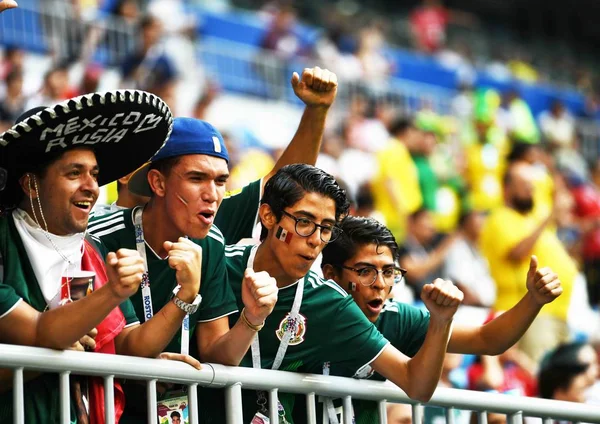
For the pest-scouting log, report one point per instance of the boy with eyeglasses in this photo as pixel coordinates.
(366, 249)
(314, 321)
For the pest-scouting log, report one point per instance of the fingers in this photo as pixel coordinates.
(88, 342)
(295, 79)
(533, 264)
(316, 79)
(93, 333)
(7, 4)
(443, 293)
(182, 358)
(111, 259)
(77, 346)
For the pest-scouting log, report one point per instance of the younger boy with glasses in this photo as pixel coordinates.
(366, 248)
(315, 321)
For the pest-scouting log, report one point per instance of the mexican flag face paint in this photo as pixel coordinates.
(283, 235)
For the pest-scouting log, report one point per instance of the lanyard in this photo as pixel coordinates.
(292, 320)
(140, 245)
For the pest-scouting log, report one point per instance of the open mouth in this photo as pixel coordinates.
(207, 217)
(307, 258)
(375, 304)
(83, 205)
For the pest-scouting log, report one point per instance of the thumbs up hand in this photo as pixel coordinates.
(543, 284)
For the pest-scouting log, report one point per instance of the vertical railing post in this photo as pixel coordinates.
(516, 418)
(151, 401)
(348, 410)
(233, 404)
(65, 398)
(193, 403)
(109, 399)
(482, 417)
(417, 417)
(382, 407)
(273, 406)
(311, 408)
(18, 397)
(450, 415)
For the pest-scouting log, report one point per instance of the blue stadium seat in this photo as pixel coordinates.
(23, 27)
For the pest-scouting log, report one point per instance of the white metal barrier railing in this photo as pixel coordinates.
(232, 379)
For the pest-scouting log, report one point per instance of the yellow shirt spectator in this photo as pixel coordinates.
(503, 230)
(396, 187)
(485, 167)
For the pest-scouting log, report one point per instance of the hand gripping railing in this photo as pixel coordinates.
(109, 367)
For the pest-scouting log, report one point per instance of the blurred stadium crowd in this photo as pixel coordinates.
(436, 176)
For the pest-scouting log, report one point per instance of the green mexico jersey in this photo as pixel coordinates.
(405, 327)
(117, 231)
(19, 284)
(331, 328)
(238, 214)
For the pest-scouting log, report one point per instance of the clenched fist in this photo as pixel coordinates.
(124, 269)
(316, 86)
(185, 257)
(543, 284)
(441, 299)
(259, 294)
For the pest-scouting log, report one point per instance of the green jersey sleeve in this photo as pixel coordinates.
(217, 296)
(238, 213)
(353, 332)
(404, 326)
(9, 299)
(129, 313)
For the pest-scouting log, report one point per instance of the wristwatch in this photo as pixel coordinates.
(188, 308)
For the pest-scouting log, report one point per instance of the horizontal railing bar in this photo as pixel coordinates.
(214, 375)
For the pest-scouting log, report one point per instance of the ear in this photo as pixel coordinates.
(28, 185)
(267, 217)
(157, 182)
(330, 273)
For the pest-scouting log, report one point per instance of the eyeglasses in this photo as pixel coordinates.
(306, 228)
(368, 274)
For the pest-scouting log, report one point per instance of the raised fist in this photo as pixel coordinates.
(185, 257)
(316, 86)
(441, 299)
(124, 269)
(259, 294)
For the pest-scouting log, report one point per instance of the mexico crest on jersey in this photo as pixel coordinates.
(296, 326)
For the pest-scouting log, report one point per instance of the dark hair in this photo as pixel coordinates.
(38, 165)
(175, 414)
(289, 185)
(358, 231)
(418, 213)
(400, 125)
(519, 151)
(146, 22)
(13, 75)
(559, 368)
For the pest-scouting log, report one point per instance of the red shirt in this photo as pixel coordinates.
(429, 26)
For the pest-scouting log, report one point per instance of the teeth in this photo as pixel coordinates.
(83, 203)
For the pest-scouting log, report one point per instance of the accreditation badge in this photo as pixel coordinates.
(173, 409)
(260, 419)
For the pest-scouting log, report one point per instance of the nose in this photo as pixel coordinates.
(314, 240)
(379, 282)
(90, 183)
(209, 192)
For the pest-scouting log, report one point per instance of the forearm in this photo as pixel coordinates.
(231, 347)
(505, 330)
(151, 338)
(425, 368)
(61, 327)
(306, 143)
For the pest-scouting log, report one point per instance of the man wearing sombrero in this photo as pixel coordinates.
(51, 165)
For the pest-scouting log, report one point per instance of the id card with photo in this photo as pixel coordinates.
(173, 410)
(260, 419)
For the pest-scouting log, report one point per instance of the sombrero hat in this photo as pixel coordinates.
(124, 128)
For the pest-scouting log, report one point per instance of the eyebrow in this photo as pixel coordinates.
(367, 264)
(205, 175)
(78, 165)
(311, 216)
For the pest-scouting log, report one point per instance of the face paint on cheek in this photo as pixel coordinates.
(283, 235)
(352, 286)
(181, 199)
